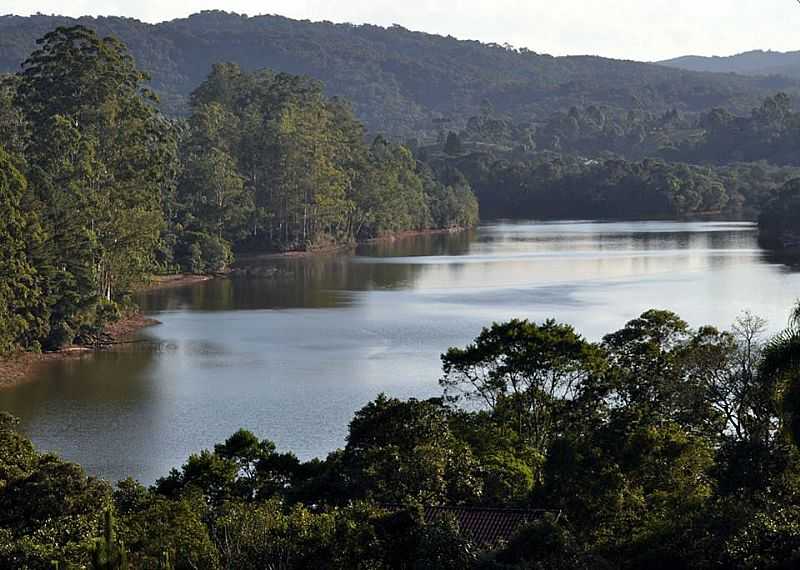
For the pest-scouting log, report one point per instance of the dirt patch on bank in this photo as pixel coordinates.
(178, 280)
(23, 367)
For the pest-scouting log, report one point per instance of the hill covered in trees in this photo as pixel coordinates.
(398, 81)
(756, 63)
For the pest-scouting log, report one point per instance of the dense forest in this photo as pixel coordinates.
(533, 135)
(600, 162)
(661, 446)
(768, 133)
(400, 82)
(101, 190)
(555, 186)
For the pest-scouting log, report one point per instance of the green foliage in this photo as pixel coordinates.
(778, 223)
(781, 361)
(101, 190)
(165, 533)
(543, 544)
(522, 372)
(271, 163)
(660, 446)
(441, 546)
(767, 134)
(566, 186)
(107, 553)
(97, 157)
(49, 509)
(90, 89)
(601, 131)
(400, 452)
(22, 307)
(769, 540)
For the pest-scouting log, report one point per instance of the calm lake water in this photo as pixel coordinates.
(292, 358)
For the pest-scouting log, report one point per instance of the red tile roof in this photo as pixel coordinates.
(484, 526)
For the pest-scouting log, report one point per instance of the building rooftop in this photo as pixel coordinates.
(484, 526)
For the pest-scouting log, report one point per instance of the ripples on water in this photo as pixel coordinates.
(291, 358)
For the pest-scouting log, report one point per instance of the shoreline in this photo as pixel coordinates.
(336, 249)
(20, 368)
(174, 280)
(393, 237)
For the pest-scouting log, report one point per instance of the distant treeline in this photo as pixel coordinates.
(99, 190)
(400, 82)
(661, 446)
(768, 133)
(566, 186)
(600, 162)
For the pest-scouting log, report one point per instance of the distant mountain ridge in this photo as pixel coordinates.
(398, 81)
(756, 62)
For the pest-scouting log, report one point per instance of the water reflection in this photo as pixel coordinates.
(291, 357)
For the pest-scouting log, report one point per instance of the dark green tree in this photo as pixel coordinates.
(452, 145)
(23, 311)
(101, 157)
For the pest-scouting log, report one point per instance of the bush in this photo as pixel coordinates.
(199, 252)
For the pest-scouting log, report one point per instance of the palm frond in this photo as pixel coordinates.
(780, 364)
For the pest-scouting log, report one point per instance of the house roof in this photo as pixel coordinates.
(484, 526)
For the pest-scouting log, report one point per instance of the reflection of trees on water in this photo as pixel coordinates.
(428, 245)
(312, 282)
(326, 281)
(789, 259)
(90, 379)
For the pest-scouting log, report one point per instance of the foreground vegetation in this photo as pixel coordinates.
(99, 190)
(659, 447)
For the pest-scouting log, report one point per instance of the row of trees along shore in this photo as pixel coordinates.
(98, 190)
(660, 446)
(600, 161)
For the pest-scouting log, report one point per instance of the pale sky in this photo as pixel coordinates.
(633, 29)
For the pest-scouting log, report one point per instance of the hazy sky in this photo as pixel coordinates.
(636, 29)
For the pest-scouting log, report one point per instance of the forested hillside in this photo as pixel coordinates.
(398, 81)
(756, 62)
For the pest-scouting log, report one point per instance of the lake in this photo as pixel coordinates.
(292, 357)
